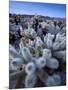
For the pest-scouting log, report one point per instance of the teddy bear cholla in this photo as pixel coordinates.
(34, 64)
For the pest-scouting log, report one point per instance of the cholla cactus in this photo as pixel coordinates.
(15, 64)
(40, 63)
(53, 80)
(21, 30)
(47, 53)
(30, 32)
(13, 52)
(52, 63)
(41, 56)
(31, 43)
(60, 42)
(50, 81)
(43, 24)
(30, 68)
(57, 79)
(60, 37)
(21, 44)
(63, 30)
(60, 55)
(30, 80)
(48, 40)
(39, 42)
(33, 33)
(26, 54)
(57, 28)
(56, 46)
(51, 26)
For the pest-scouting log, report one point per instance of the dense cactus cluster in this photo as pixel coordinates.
(37, 55)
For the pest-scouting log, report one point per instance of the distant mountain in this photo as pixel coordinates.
(42, 17)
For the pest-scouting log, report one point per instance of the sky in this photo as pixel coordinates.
(31, 8)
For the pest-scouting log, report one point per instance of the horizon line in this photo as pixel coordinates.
(38, 15)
